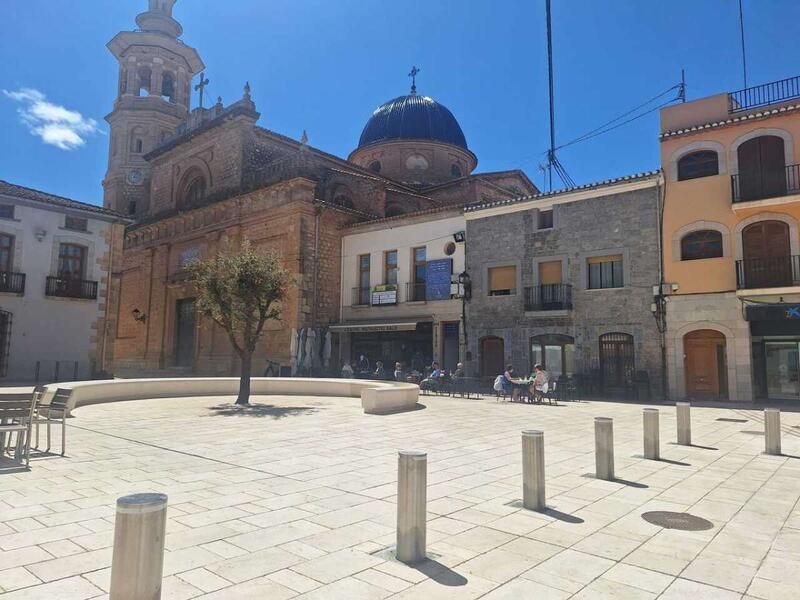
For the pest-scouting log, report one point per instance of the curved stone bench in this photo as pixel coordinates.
(377, 397)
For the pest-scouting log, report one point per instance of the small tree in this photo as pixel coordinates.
(240, 293)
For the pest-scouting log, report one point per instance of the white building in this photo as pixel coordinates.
(55, 255)
(400, 293)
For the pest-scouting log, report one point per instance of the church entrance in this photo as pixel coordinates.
(185, 321)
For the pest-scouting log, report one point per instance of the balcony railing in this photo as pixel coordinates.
(762, 95)
(780, 271)
(765, 184)
(13, 283)
(66, 287)
(415, 292)
(551, 296)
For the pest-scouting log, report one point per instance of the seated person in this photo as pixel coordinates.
(511, 384)
(540, 383)
(347, 370)
(432, 380)
(459, 372)
(380, 372)
(398, 372)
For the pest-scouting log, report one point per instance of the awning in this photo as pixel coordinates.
(377, 327)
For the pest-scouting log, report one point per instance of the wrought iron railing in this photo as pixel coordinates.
(415, 292)
(67, 287)
(778, 271)
(13, 283)
(550, 296)
(765, 184)
(361, 296)
(763, 95)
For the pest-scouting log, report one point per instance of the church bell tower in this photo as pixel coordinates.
(153, 100)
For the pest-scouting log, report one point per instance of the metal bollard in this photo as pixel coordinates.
(604, 448)
(772, 430)
(684, 423)
(652, 450)
(412, 482)
(533, 495)
(138, 561)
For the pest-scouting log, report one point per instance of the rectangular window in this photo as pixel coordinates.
(546, 219)
(187, 257)
(6, 211)
(550, 272)
(419, 273)
(363, 279)
(71, 261)
(390, 267)
(76, 223)
(605, 272)
(6, 253)
(502, 281)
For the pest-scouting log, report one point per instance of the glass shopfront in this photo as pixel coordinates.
(775, 336)
(556, 353)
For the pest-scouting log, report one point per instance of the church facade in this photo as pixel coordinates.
(203, 181)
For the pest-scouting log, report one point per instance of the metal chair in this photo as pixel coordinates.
(16, 416)
(53, 412)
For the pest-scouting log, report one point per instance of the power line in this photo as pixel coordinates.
(741, 30)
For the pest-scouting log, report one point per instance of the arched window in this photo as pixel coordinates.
(375, 166)
(195, 191)
(123, 81)
(705, 243)
(168, 86)
(137, 140)
(455, 170)
(702, 163)
(144, 75)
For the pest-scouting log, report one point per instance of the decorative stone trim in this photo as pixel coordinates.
(794, 236)
(672, 171)
(788, 145)
(682, 232)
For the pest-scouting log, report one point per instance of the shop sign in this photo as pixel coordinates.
(773, 312)
(439, 278)
(383, 295)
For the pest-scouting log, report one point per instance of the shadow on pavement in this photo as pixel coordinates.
(440, 573)
(259, 410)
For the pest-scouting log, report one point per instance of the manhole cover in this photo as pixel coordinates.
(727, 420)
(676, 520)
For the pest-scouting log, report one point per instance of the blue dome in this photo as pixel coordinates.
(412, 118)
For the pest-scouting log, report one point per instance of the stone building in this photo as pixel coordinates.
(202, 181)
(565, 279)
(56, 299)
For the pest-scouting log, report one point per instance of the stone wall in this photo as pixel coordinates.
(622, 223)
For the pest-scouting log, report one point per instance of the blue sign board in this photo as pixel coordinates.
(437, 283)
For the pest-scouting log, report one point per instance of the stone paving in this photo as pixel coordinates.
(296, 500)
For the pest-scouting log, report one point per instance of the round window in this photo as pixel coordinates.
(416, 162)
(450, 248)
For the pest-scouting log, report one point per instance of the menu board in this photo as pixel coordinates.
(439, 276)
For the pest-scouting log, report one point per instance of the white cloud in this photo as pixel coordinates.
(54, 124)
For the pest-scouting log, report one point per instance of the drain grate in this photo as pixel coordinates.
(728, 420)
(676, 520)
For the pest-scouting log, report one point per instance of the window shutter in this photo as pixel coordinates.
(550, 272)
(603, 259)
(502, 278)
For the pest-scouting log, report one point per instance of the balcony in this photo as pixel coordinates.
(12, 283)
(66, 287)
(763, 95)
(415, 292)
(746, 187)
(776, 272)
(551, 296)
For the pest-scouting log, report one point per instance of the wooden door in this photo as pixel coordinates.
(704, 369)
(492, 355)
(767, 254)
(762, 166)
(185, 319)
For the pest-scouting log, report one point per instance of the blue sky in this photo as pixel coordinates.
(324, 65)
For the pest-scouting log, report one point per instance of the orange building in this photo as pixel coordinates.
(731, 249)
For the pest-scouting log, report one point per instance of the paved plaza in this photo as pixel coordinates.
(295, 499)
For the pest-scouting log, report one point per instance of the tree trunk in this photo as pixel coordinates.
(244, 380)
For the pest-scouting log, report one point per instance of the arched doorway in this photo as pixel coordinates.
(492, 356)
(762, 168)
(705, 364)
(766, 250)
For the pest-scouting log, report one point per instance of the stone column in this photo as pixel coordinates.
(138, 560)
(533, 491)
(684, 423)
(651, 433)
(604, 448)
(772, 430)
(412, 483)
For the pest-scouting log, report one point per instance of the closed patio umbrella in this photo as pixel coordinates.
(326, 350)
(293, 351)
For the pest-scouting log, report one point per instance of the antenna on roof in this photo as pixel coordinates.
(741, 30)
